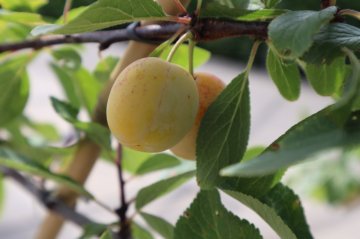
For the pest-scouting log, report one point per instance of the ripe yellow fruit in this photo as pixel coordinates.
(209, 88)
(152, 105)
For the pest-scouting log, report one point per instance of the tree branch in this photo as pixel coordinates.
(46, 199)
(203, 30)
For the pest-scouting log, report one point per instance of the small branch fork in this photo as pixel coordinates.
(46, 199)
(204, 30)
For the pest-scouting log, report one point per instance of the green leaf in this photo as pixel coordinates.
(327, 79)
(71, 15)
(281, 209)
(165, 229)
(104, 68)
(68, 57)
(315, 134)
(219, 11)
(47, 130)
(132, 159)
(271, 3)
(139, 232)
(14, 83)
(96, 132)
(286, 76)
(88, 87)
(237, 4)
(292, 33)
(68, 84)
(11, 32)
(224, 132)
(15, 161)
(107, 13)
(201, 56)
(333, 127)
(160, 188)
(207, 218)
(157, 162)
(25, 18)
(22, 5)
(330, 40)
(107, 235)
(95, 229)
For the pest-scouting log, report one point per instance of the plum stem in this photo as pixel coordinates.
(181, 40)
(67, 8)
(191, 56)
(253, 52)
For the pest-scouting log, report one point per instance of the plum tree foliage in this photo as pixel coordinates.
(149, 99)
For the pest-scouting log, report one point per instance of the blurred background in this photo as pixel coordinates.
(329, 184)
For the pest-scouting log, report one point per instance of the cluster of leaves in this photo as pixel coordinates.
(307, 40)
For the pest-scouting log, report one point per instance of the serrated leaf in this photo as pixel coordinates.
(139, 232)
(333, 127)
(224, 132)
(96, 132)
(315, 134)
(329, 41)
(107, 13)
(14, 84)
(292, 33)
(157, 162)
(281, 209)
(285, 75)
(327, 79)
(160, 188)
(207, 218)
(15, 161)
(220, 11)
(165, 229)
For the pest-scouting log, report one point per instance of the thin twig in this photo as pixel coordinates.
(204, 30)
(124, 232)
(46, 199)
